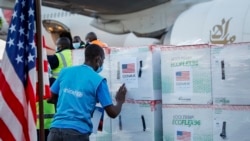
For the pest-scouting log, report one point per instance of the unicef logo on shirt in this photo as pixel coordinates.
(73, 92)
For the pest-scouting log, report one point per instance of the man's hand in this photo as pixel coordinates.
(120, 95)
(114, 110)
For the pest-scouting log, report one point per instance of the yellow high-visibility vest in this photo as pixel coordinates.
(49, 111)
(65, 60)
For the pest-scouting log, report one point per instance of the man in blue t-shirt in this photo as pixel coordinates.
(76, 91)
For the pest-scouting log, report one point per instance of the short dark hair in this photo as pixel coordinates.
(93, 51)
(64, 42)
(67, 34)
(91, 36)
(76, 37)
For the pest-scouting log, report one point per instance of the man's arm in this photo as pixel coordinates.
(114, 110)
(53, 61)
(53, 99)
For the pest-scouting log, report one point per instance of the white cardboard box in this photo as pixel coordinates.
(101, 136)
(78, 56)
(231, 74)
(106, 133)
(186, 74)
(139, 69)
(187, 122)
(139, 120)
(231, 123)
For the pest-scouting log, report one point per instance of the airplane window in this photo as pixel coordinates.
(51, 15)
(54, 15)
(58, 14)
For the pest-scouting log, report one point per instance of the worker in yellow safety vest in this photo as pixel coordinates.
(49, 112)
(62, 58)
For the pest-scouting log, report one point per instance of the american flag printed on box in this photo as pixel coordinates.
(128, 68)
(182, 76)
(183, 136)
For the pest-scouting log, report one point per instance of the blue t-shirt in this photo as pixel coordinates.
(79, 89)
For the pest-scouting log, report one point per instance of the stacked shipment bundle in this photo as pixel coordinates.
(205, 92)
(141, 115)
(177, 93)
(186, 93)
(231, 91)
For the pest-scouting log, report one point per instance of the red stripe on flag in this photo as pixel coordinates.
(31, 98)
(46, 84)
(47, 92)
(6, 135)
(45, 66)
(16, 107)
